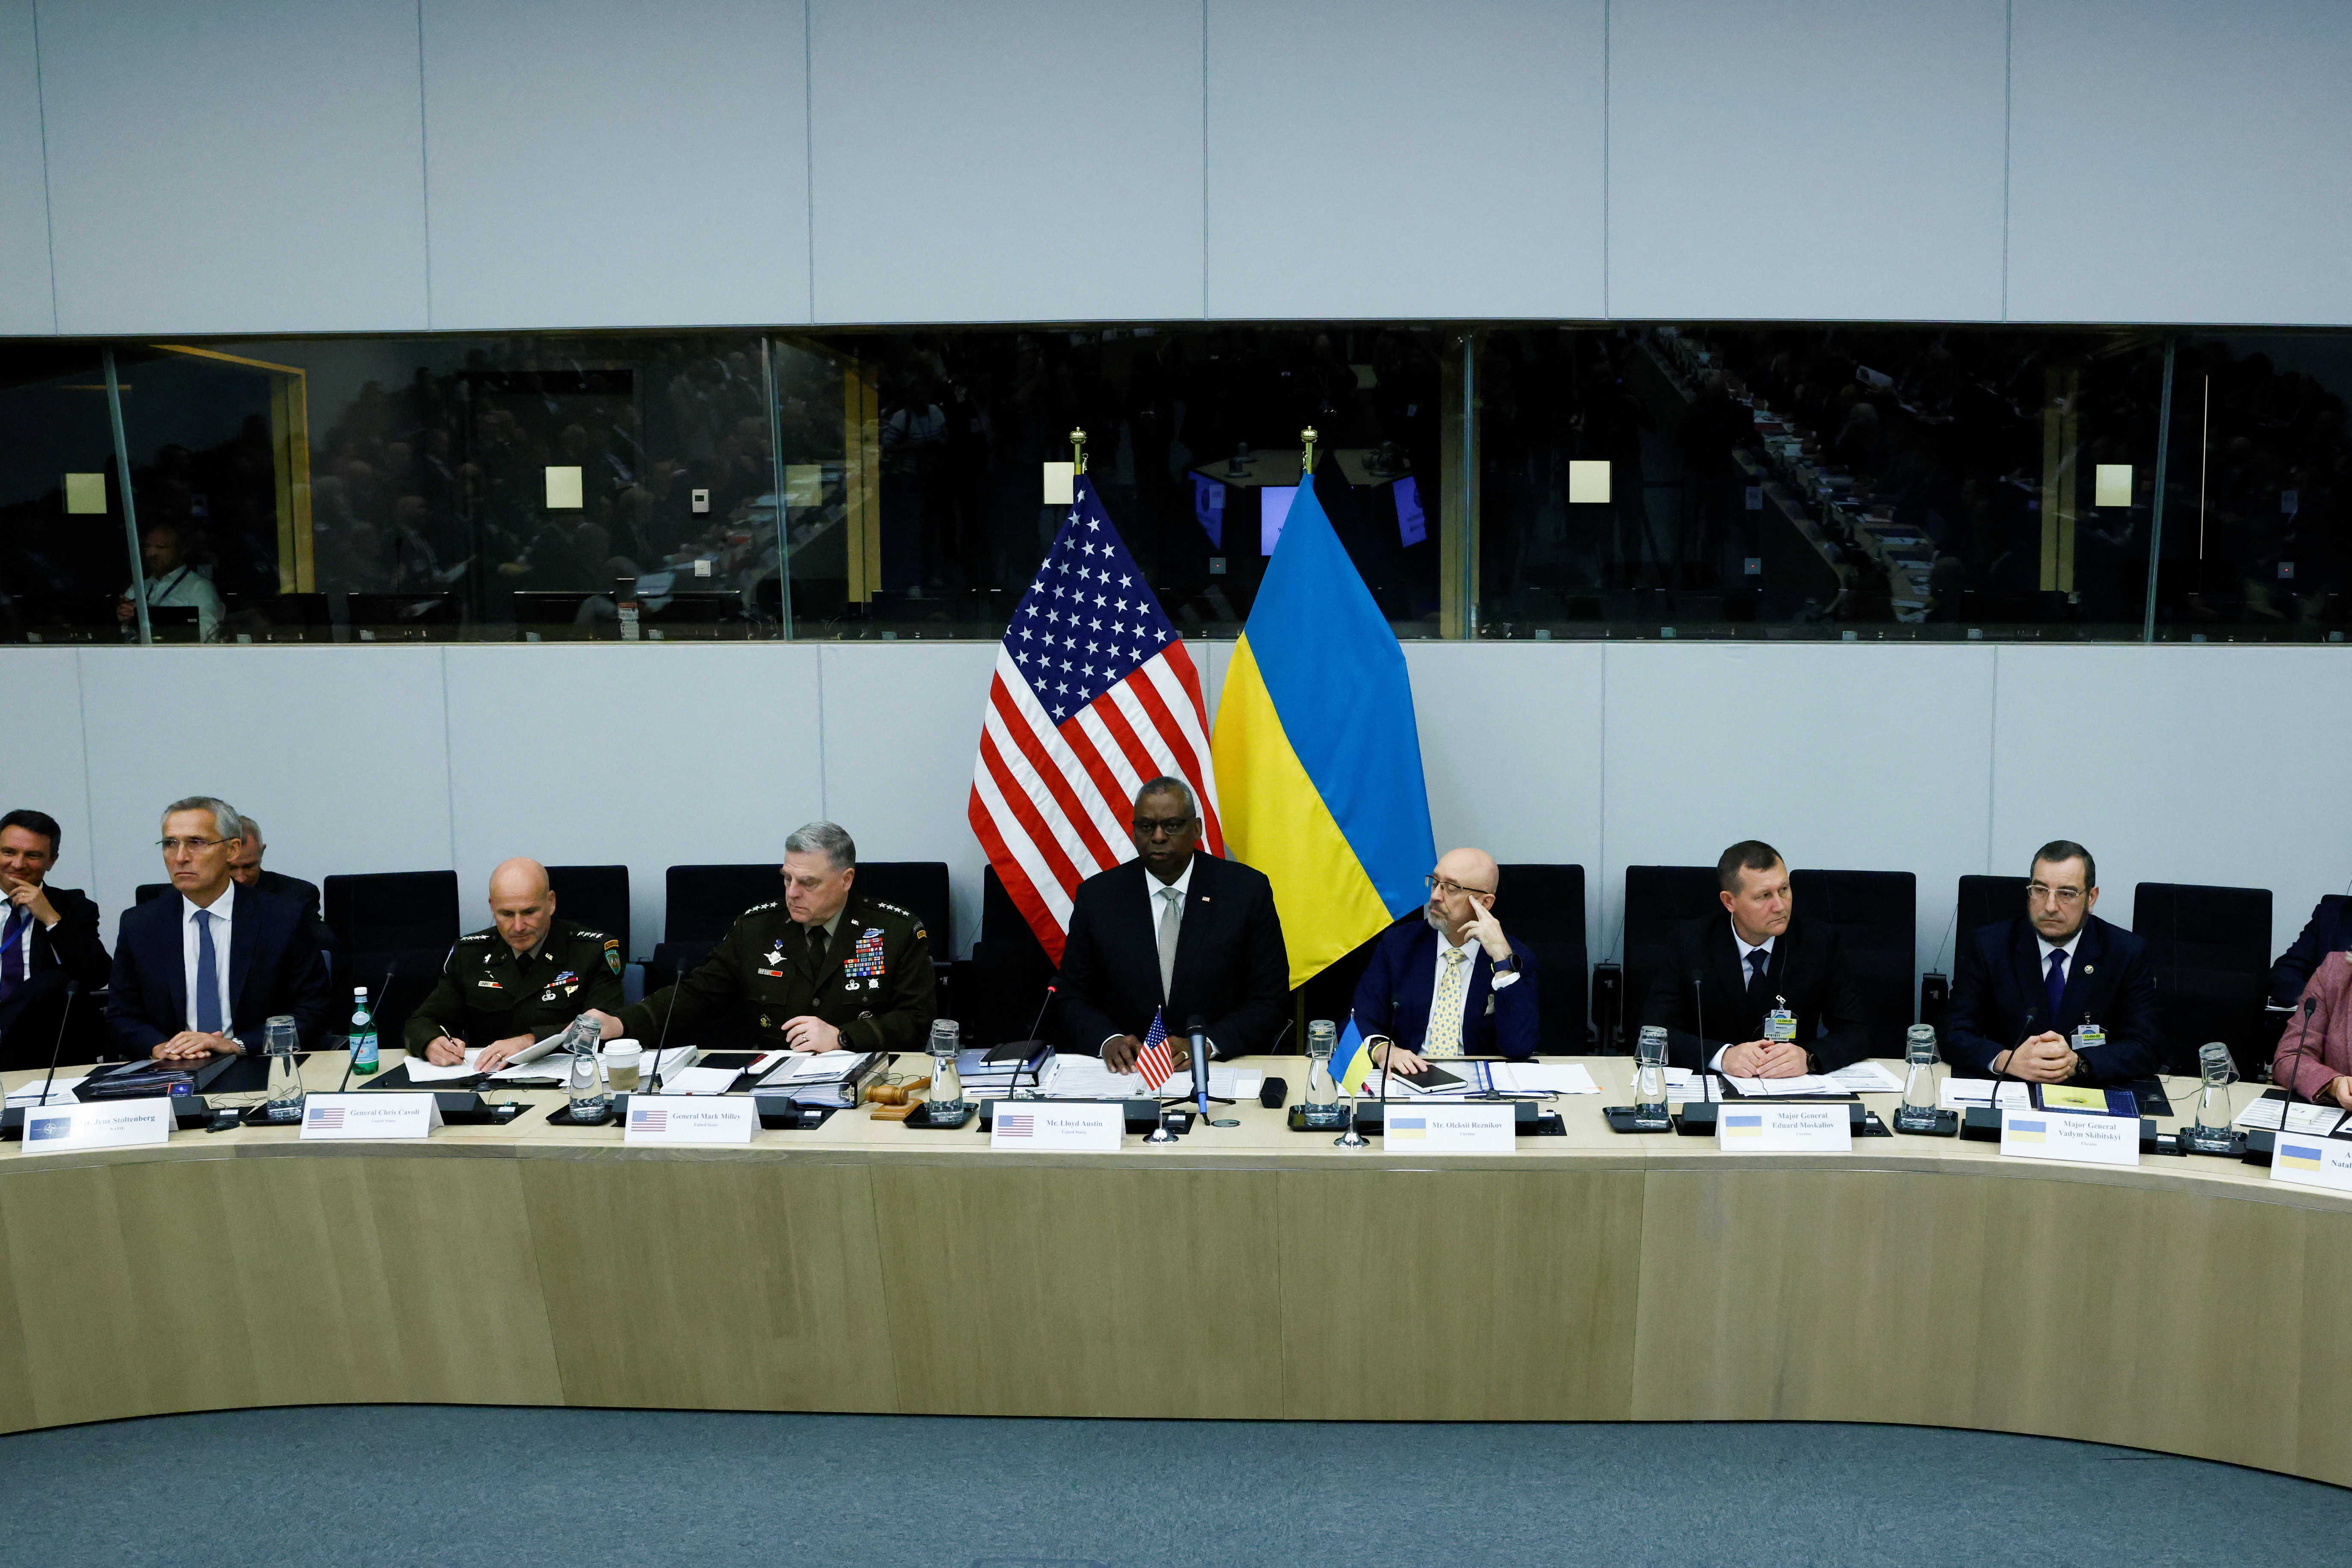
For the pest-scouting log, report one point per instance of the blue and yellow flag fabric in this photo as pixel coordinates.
(1350, 1063)
(1318, 755)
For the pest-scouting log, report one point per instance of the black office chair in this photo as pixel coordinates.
(1982, 901)
(1541, 908)
(400, 921)
(1876, 914)
(1657, 899)
(34, 1034)
(596, 897)
(2210, 950)
(702, 902)
(1002, 986)
(149, 890)
(920, 887)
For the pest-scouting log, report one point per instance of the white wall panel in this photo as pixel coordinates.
(47, 768)
(1405, 160)
(254, 167)
(901, 731)
(1838, 159)
(603, 162)
(1033, 160)
(2174, 765)
(342, 753)
(616, 755)
(27, 305)
(1858, 759)
(2177, 161)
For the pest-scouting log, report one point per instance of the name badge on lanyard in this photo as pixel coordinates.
(2089, 1037)
(1780, 1024)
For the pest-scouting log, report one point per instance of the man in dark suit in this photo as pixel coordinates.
(1448, 983)
(1777, 996)
(2026, 989)
(1177, 932)
(48, 935)
(2329, 930)
(197, 974)
(245, 866)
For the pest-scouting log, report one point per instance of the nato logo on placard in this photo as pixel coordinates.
(41, 1127)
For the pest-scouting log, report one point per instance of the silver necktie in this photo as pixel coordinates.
(1170, 918)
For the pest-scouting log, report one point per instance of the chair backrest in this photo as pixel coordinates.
(1003, 985)
(1657, 899)
(920, 887)
(703, 900)
(596, 897)
(1877, 916)
(1541, 906)
(2210, 950)
(392, 911)
(151, 891)
(1983, 901)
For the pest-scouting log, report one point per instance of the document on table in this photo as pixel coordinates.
(1086, 1078)
(1683, 1086)
(1866, 1077)
(1802, 1084)
(61, 1091)
(1542, 1078)
(2318, 1121)
(422, 1071)
(1958, 1093)
(698, 1080)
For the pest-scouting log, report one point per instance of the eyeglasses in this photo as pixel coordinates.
(1146, 828)
(1438, 884)
(2037, 893)
(173, 846)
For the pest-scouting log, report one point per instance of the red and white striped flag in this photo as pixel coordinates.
(1153, 1061)
(1093, 694)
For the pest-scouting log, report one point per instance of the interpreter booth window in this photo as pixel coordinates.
(925, 510)
(1853, 483)
(64, 557)
(2258, 540)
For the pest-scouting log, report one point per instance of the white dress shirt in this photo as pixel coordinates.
(1151, 888)
(221, 912)
(1745, 947)
(185, 586)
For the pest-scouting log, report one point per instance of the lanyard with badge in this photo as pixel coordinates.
(1780, 1024)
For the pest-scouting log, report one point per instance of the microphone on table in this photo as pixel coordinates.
(1987, 1126)
(1196, 1029)
(1698, 1009)
(350, 1056)
(2286, 1084)
(650, 1083)
(1012, 1090)
(73, 989)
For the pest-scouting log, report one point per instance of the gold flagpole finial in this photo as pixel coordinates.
(1307, 438)
(1078, 449)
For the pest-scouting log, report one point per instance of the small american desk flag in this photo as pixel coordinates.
(1153, 1061)
(1093, 695)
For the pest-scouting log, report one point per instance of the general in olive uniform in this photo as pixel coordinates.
(521, 980)
(824, 968)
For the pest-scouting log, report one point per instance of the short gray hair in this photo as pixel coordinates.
(1174, 786)
(226, 823)
(824, 838)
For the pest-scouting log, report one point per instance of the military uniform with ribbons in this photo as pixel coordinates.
(867, 972)
(489, 993)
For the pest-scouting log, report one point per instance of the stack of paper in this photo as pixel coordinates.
(61, 1091)
(1961, 1092)
(1542, 1078)
(1086, 1078)
(2318, 1121)
(1866, 1077)
(983, 1077)
(1802, 1084)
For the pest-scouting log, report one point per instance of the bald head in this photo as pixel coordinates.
(522, 903)
(1462, 886)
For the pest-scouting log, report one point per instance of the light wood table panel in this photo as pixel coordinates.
(1249, 1272)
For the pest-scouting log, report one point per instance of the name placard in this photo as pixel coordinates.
(2069, 1135)
(2306, 1162)
(106, 1124)
(1451, 1129)
(371, 1116)
(690, 1119)
(1051, 1124)
(1746, 1128)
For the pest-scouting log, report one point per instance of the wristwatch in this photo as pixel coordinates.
(1507, 964)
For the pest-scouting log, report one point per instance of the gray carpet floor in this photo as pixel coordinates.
(456, 1487)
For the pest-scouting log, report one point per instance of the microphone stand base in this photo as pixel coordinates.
(2224, 1143)
(1933, 1124)
(1637, 1119)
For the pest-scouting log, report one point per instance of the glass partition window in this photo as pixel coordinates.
(64, 557)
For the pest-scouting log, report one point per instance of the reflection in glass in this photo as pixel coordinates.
(64, 562)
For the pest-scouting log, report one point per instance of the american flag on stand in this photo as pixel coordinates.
(1093, 694)
(1153, 1061)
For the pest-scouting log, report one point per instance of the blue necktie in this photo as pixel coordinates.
(208, 1018)
(2057, 984)
(12, 954)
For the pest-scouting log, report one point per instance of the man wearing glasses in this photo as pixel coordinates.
(198, 975)
(2058, 995)
(1175, 932)
(1449, 984)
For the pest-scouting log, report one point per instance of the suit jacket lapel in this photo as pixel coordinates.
(1723, 950)
(2078, 990)
(172, 931)
(243, 939)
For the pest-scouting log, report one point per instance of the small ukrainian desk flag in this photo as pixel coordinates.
(1318, 755)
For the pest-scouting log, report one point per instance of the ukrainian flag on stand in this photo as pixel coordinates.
(1318, 755)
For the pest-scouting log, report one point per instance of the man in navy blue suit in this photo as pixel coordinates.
(198, 975)
(2031, 995)
(1449, 984)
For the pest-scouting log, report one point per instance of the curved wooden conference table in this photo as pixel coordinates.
(2186, 1305)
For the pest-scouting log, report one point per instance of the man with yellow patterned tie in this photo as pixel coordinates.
(1448, 983)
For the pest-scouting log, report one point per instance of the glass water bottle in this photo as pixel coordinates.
(279, 1042)
(1920, 1095)
(1650, 1074)
(946, 1094)
(2211, 1133)
(586, 1083)
(1322, 1106)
